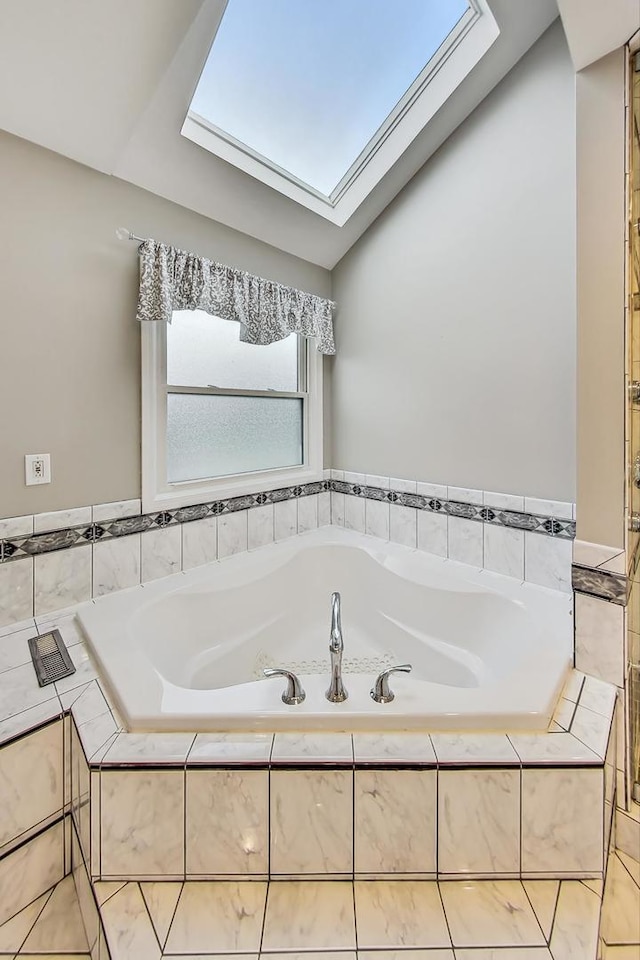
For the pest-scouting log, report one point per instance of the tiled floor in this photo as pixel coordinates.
(332, 920)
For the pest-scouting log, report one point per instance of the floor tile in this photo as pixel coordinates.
(307, 915)
(632, 866)
(398, 913)
(621, 906)
(104, 889)
(445, 954)
(621, 953)
(161, 900)
(54, 956)
(488, 913)
(575, 928)
(218, 917)
(543, 896)
(506, 953)
(14, 932)
(59, 926)
(128, 928)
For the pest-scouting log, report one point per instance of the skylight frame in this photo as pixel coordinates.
(458, 54)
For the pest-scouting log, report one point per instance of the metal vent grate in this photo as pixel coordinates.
(50, 658)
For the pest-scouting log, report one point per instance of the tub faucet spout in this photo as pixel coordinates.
(336, 692)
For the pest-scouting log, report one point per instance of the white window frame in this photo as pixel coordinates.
(158, 493)
(460, 52)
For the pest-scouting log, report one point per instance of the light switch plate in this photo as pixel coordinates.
(37, 468)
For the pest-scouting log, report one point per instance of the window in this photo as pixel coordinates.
(222, 417)
(308, 96)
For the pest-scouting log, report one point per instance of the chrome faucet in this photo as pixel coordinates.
(336, 692)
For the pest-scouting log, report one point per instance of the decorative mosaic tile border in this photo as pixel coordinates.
(38, 543)
(600, 583)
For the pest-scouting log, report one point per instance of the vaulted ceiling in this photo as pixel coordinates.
(109, 84)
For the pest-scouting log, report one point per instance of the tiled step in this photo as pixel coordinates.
(51, 924)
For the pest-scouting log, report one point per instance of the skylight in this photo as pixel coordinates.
(319, 98)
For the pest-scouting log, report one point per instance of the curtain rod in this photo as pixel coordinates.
(123, 233)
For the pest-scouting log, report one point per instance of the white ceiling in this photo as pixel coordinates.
(596, 27)
(109, 84)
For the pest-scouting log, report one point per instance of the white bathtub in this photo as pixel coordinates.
(185, 653)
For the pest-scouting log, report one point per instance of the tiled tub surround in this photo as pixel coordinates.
(54, 560)
(488, 652)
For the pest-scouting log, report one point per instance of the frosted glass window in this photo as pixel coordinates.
(204, 351)
(308, 83)
(209, 435)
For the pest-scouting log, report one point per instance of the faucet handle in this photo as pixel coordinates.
(381, 691)
(294, 692)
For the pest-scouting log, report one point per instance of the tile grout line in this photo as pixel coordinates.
(148, 912)
(47, 894)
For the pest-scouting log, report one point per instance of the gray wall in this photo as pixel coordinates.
(457, 315)
(70, 345)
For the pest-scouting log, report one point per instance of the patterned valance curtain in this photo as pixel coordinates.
(267, 311)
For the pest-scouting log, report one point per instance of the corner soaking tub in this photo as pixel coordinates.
(187, 652)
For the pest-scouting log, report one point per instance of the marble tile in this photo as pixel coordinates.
(150, 748)
(285, 518)
(465, 541)
(503, 501)
(574, 683)
(543, 896)
(231, 748)
(399, 914)
(319, 955)
(29, 719)
(161, 553)
(575, 928)
(337, 509)
(105, 889)
(395, 821)
(58, 519)
(464, 495)
(29, 871)
(631, 866)
(337, 474)
(7, 629)
(437, 491)
(593, 554)
(260, 523)
(598, 696)
(85, 669)
(161, 900)
(403, 525)
(621, 906)
(433, 532)
(19, 690)
(116, 564)
(312, 748)
(473, 748)
(218, 917)
(14, 648)
(62, 579)
(504, 953)
(393, 748)
(547, 561)
(60, 924)
(373, 480)
(307, 513)
(15, 931)
(351, 477)
(199, 542)
(16, 591)
(504, 550)
(620, 952)
(142, 822)
(562, 820)
(627, 834)
(403, 486)
(592, 729)
(85, 702)
(599, 633)
(227, 822)
(489, 840)
(324, 509)
(309, 915)
(311, 822)
(490, 913)
(115, 510)
(31, 782)
(16, 527)
(559, 750)
(128, 927)
(354, 513)
(377, 518)
(549, 508)
(563, 714)
(97, 735)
